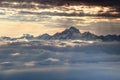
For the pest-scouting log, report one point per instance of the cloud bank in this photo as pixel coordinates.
(58, 59)
(43, 53)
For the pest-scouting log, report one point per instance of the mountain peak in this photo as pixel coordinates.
(73, 28)
(44, 36)
(70, 33)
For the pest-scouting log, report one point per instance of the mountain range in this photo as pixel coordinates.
(71, 33)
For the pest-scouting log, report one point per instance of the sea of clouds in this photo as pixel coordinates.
(30, 59)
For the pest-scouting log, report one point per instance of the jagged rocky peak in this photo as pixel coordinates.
(72, 28)
(44, 36)
(88, 35)
(70, 33)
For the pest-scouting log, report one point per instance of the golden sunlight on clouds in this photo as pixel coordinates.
(84, 9)
(14, 29)
(18, 4)
(34, 18)
(78, 9)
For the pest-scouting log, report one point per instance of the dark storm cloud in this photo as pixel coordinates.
(111, 3)
(69, 14)
(62, 2)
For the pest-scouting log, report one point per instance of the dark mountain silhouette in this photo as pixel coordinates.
(44, 36)
(88, 36)
(74, 33)
(109, 37)
(70, 33)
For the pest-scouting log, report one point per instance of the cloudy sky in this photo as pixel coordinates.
(36, 17)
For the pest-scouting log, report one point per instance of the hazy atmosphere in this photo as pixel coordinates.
(59, 39)
(36, 17)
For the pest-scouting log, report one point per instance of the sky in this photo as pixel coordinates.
(37, 17)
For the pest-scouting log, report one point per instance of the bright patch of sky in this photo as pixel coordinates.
(34, 18)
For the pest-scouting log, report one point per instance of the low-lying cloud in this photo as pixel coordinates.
(43, 53)
(36, 59)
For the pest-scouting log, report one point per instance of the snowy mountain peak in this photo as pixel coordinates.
(87, 33)
(71, 33)
(44, 36)
(72, 28)
(89, 36)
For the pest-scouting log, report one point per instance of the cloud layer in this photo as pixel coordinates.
(43, 53)
(61, 2)
(86, 15)
(58, 59)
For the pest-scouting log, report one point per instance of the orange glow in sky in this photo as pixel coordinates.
(40, 19)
